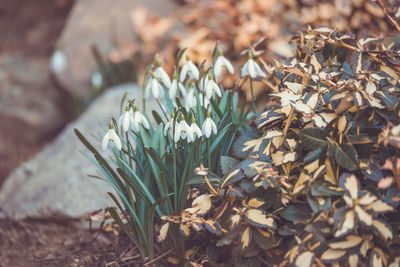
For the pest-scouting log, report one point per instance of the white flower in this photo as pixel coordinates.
(58, 61)
(220, 63)
(153, 87)
(139, 118)
(208, 126)
(126, 119)
(162, 75)
(251, 68)
(212, 87)
(173, 90)
(168, 126)
(205, 99)
(97, 80)
(189, 68)
(112, 137)
(196, 132)
(183, 131)
(190, 99)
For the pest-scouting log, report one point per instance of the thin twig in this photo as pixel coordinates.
(390, 18)
(158, 258)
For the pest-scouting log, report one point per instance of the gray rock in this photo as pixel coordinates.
(103, 23)
(55, 181)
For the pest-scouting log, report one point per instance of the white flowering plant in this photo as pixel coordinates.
(154, 156)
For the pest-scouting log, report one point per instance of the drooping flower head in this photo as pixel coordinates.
(168, 126)
(208, 126)
(251, 67)
(162, 75)
(153, 87)
(183, 131)
(189, 68)
(221, 62)
(139, 118)
(126, 119)
(175, 85)
(196, 132)
(111, 137)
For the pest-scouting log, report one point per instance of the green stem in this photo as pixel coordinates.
(174, 172)
(208, 153)
(127, 148)
(165, 114)
(253, 101)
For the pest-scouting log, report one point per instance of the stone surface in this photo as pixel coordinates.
(55, 181)
(31, 108)
(103, 23)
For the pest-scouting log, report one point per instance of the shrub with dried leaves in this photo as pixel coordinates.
(316, 180)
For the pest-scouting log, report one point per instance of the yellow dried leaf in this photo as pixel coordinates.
(235, 219)
(185, 229)
(201, 205)
(351, 185)
(353, 260)
(257, 218)
(255, 203)
(305, 259)
(347, 225)
(333, 254)
(163, 231)
(379, 206)
(245, 238)
(349, 242)
(383, 229)
(300, 184)
(342, 124)
(363, 216)
(311, 167)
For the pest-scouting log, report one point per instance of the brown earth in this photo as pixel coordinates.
(31, 29)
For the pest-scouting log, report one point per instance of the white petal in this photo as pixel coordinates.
(182, 89)
(206, 129)
(228, 65)
(216, 88)
(126, 121)
(167, 127)
(218, 66)
(143, 120)
(115, 139)
(163, 75)
(257, 68)
(252, 69)
(106, 138)
(147, 91)
(245, 69)
(184, 71)
(173, 89)
(214, 127)
(194, 70)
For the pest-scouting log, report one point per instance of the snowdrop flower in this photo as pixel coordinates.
(111, 136)
(204, 99)
(97, 80)
(153, 87)
(58, 61)
(190, 99)
(211, 88)
(173, 89)
(162, 75)
(183, 131)
(168, 126)
(251, 68)
(139, 118)
(126, 119)
(196, 132)
(189, 68)
(220, 63)
(208, 126)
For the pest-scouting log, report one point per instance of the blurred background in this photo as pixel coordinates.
(58, 56)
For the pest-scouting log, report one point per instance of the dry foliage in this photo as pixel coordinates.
(316, 182)
(236, 24)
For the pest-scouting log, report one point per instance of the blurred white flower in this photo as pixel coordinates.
(183, 131)
(97, 80)
(189, 68)
(196, 132)
(173, 90)
(111, 137)
(154, 88)
(168, 126)
(204, 99)
(190, 99)
(126, 119)
(251, 67)
(211, 88)
(139, 118)
(209, 126)
(162, 75)
(220, 63)
(58, 61)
